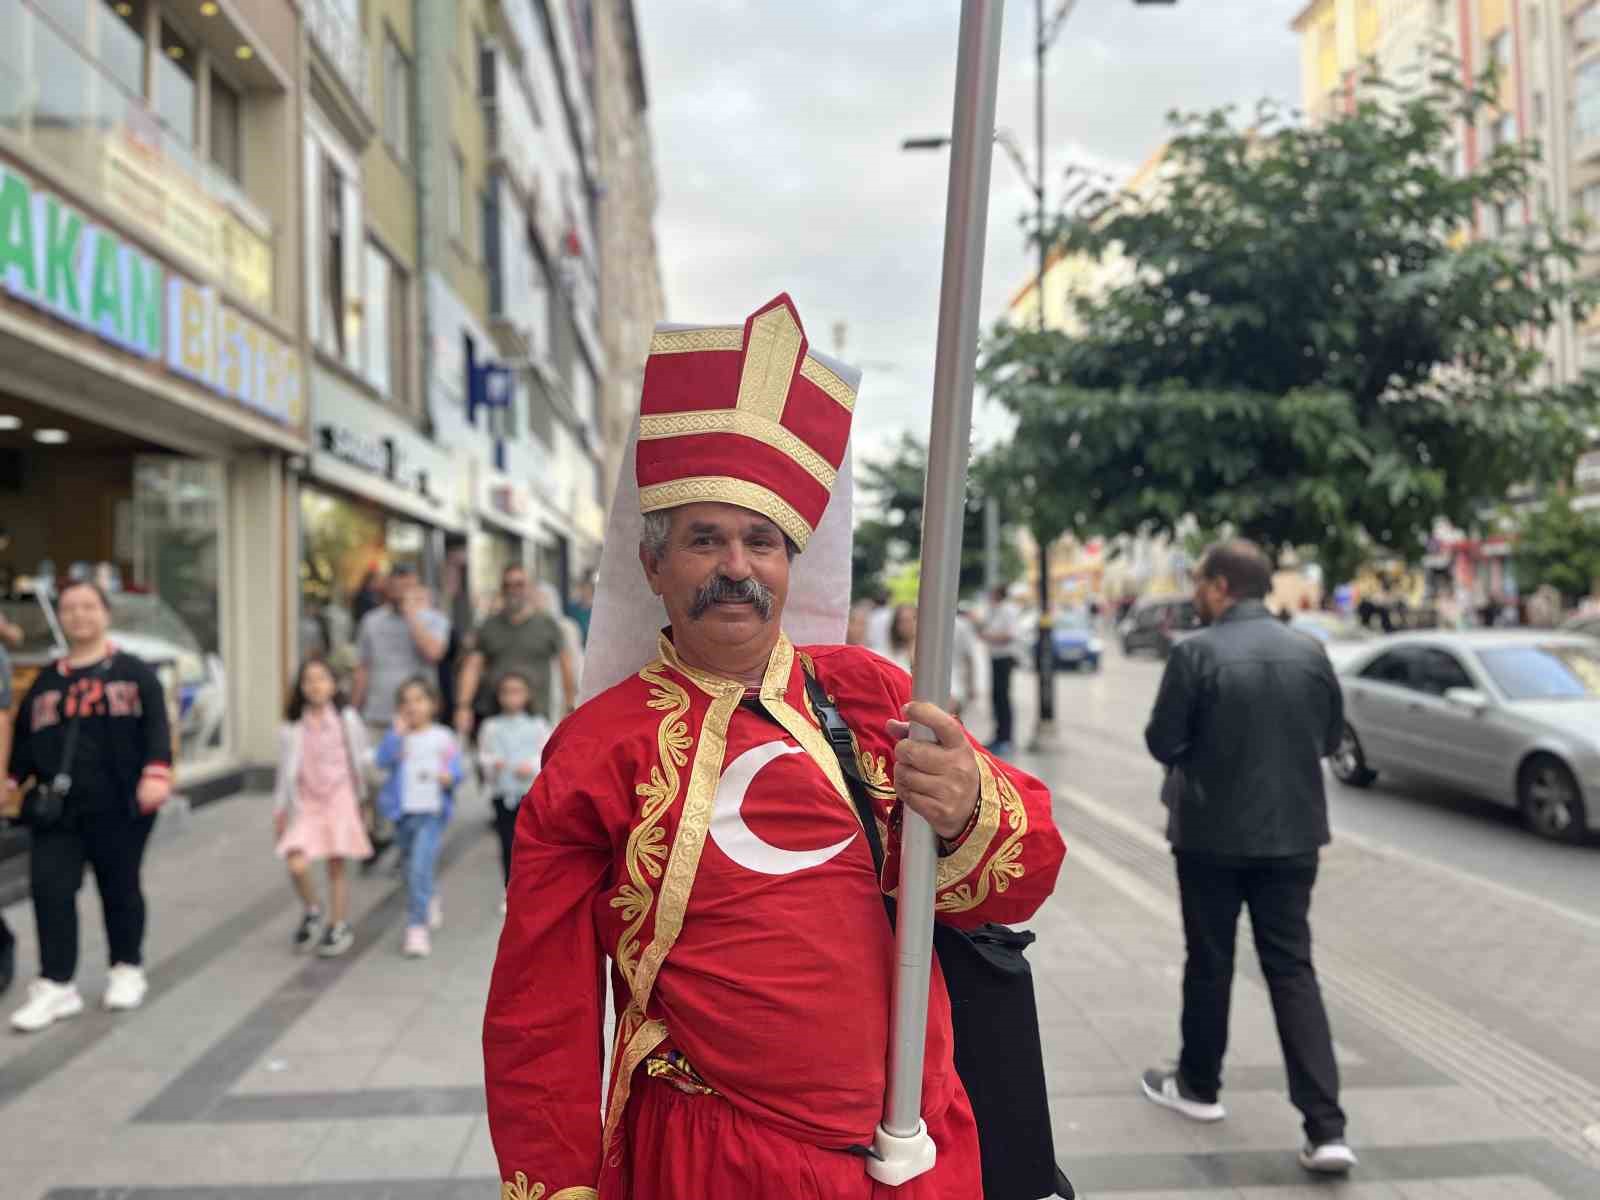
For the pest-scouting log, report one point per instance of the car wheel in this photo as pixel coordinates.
(1349, 763)
(1549, 799)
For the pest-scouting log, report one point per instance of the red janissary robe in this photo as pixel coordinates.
(713, 854)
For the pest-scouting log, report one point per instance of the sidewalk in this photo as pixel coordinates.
(254, 1075)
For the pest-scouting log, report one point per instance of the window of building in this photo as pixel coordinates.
(396, 99)
(387, 322)
(1538, 110)
(1500, 50)
(120, 43)
(226, 148)
(1589, 203)
(1504, 131)
(489, 231)
(455, 196)
(1585, 24)
(1586, 102)
(331, 218)
(175, 85)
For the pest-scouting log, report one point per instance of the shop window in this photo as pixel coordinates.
(396, 99)
(119, 43)
(225, 143)
(175, 86)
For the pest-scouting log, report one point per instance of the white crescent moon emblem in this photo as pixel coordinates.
(737, 840)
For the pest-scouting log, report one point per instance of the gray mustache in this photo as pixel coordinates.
(719, 589)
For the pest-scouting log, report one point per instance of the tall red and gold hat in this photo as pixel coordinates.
(743, 415)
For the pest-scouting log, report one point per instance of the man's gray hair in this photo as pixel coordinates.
(655, 531)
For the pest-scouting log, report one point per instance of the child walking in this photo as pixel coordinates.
(423, 759)
(509, 746)
(322, 757)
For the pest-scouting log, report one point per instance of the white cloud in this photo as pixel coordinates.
(777, 136)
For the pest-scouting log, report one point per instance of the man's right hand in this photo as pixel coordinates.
(464, 720)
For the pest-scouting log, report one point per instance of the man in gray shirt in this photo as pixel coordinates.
(400, 640)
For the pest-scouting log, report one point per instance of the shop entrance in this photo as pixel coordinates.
(81, 500)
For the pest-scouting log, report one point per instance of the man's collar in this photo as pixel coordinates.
(774, 684)
(1244, 610)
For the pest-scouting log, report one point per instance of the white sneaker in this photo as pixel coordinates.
(435, 913)
(1330, 1158)
(417, 943)
(1167, 1090)
(47, 1003)
(125, 987)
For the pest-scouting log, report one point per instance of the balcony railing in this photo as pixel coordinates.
(341, 41)
(72, 117)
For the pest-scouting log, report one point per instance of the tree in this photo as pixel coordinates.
(1557, 545)
(1304, 347)
(893, 484)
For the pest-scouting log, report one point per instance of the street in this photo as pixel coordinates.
(1461, 1000)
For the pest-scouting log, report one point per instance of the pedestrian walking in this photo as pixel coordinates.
(323, 755)
(10, 639)
(1246, 711)
(423, 759)
(1002, 633)
(697, 783)
(509, 746)
(92, 740)
(398, 641)
(523, 636)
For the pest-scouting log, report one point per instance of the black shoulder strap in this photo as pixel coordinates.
(838, 735)
(69, 747)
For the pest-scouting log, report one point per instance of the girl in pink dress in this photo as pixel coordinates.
(322, 764)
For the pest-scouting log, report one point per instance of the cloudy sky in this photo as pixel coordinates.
(777, 129)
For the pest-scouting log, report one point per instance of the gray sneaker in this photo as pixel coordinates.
(1166, 1089)
(305, 937)
(336, 941)
(1327, 1158)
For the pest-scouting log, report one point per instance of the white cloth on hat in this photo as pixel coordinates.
(627, 616)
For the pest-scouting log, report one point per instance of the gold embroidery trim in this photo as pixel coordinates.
(1004, 866)
(646, 850)
(769, 361)
(745, 424)
(969, 854)
(518, 1188)
(831, 384)
(631, 1049)
(692, 341)
(720, 488)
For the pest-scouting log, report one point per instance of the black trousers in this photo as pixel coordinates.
(1278, 893)
(1000, 695)
(505, 824)
(113, 844)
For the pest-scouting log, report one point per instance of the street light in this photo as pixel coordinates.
(1045, 34)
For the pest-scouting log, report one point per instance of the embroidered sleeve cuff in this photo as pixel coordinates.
(518, 1188)
(967, 851)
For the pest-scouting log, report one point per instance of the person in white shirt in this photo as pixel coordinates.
(510, 744)
(1001, 633)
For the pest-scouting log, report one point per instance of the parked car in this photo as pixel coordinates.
(1341, 636)
(1513, 717)
(1587, 624)
(1077, 645)
(1158, 625)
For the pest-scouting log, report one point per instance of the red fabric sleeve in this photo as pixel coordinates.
(543, 1029)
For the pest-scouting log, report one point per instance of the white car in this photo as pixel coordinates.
(1511, 716)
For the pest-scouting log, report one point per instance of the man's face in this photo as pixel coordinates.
(1211, 596)
(724, 576)
(398, 587)
(83, 617)
(515, 589)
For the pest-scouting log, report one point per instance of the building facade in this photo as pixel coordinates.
(152, 380)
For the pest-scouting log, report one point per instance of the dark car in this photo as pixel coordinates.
(1076, 643)
(1157, 626)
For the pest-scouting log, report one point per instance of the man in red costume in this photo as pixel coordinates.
(691, 824)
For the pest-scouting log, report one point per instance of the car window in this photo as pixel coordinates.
(1553, 672)
(1437, 671)
(1393, 668)
(28, 614)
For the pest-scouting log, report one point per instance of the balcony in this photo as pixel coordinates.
(61, 110)
(334, 27)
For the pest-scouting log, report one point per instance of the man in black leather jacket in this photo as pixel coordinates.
(1245, 713)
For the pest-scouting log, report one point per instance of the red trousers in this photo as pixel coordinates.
(691, 1147)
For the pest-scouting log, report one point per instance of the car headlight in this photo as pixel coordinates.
(1096, 645)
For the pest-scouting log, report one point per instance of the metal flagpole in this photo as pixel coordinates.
(902, 1143)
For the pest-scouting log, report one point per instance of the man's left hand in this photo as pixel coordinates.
(152, 794)
(936, 780)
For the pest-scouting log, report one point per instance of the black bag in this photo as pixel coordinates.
(993, 1015)
(45, 805)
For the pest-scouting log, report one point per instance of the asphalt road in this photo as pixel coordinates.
(1100, 732)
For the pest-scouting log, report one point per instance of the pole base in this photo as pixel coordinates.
(899, 1159)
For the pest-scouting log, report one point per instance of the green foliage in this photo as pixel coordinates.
(893, 485)
(1302, 347)
(1557, 545)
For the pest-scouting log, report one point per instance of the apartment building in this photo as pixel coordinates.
(152, 383)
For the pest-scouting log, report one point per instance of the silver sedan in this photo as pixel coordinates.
(1512, 716)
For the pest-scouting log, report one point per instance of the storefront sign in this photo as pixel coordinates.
(56, 259)
(382, 456)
